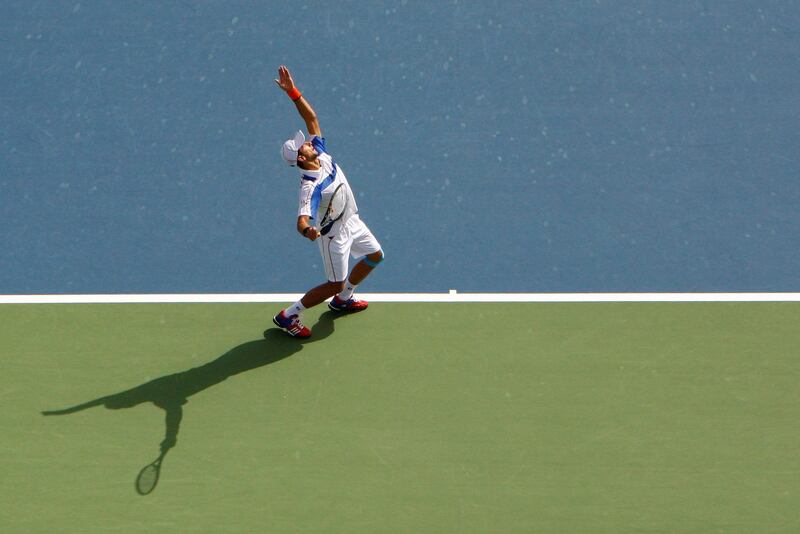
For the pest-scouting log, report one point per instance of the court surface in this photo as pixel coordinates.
(434, 417)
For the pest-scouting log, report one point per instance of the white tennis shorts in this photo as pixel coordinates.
(353, 239)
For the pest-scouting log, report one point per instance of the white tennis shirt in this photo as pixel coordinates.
(316, 187)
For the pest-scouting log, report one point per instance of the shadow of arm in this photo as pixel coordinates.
(78, 408)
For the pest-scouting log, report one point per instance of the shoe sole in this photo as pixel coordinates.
(345, 310)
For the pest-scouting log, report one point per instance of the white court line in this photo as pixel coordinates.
(451, 296)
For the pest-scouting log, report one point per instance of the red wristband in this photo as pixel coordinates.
(294, 94)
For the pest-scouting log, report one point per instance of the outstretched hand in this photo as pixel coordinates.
(286, 83)
(285, 80)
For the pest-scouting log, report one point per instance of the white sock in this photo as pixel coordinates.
(349, 289)
(295, 309)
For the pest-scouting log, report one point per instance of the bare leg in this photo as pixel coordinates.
(321, 293)
(362, 269)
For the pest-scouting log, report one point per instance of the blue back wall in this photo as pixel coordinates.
(493, 146)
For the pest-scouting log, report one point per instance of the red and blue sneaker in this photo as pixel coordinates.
(291, 325)
(350, 305)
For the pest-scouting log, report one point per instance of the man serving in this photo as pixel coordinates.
(348, 235)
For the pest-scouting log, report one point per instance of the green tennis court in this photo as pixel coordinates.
(535, 417)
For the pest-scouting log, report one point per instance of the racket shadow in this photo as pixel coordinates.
(172, 392)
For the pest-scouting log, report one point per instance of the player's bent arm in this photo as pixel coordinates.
(302, 223)
(305, 229)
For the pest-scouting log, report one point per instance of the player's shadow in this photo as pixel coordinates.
(171, 392)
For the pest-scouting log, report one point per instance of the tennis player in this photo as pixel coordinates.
(348, 236)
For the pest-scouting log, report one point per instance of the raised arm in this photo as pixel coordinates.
(286, 83)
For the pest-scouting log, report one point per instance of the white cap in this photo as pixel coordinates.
(290, 148)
